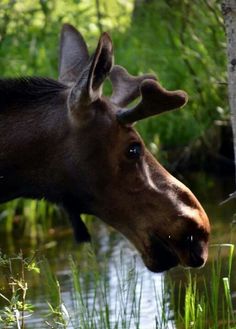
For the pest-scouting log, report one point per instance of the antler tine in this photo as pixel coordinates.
(155, 100)
(126, 87)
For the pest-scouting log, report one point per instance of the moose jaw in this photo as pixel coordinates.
(67, 143)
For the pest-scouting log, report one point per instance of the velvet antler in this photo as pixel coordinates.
(155, 99)
(126, 87)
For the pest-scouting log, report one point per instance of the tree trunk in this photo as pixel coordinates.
(229, 14)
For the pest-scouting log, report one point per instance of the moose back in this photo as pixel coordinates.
(67, 143)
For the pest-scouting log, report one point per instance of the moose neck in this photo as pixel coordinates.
(35, 127)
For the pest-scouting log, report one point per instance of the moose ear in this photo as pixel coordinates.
(101, 66)
(88, 87)
(73, 55)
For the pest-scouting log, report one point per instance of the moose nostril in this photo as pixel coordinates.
(197, 251)
(197, 260)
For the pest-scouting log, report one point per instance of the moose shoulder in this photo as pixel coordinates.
(66, 142)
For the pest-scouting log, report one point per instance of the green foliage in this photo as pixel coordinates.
(16, 309)
(184, 43)
(29, 31)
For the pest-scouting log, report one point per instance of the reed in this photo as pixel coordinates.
(206, 305)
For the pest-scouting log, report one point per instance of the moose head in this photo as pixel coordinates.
(85, 154)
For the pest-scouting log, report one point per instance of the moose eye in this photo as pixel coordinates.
(134, 151)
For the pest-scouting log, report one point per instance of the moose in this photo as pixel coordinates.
(65, 142)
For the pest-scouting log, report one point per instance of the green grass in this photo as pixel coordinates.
(195, 302)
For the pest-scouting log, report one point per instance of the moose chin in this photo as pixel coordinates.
(64, 141)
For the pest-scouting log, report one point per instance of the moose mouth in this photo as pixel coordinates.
(160, 256)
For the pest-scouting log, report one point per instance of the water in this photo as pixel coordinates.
(125, 274)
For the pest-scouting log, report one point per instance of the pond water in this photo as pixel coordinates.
(128, 284)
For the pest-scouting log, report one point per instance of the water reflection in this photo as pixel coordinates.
(115, 254)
